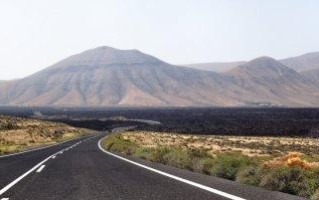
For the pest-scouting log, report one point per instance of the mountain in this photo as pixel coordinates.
(269, 79)
(300, 63)
(312, 75)
(303, 63)
(110, 77)
(216, 67)
(106, 76)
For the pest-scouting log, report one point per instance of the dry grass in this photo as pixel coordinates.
(18, 134)
(250, 146)
(283, 164)
(292, 159)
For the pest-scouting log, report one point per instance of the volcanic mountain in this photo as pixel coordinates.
(110, 77)
(312, 75)
(304, 62)
(107, 76)
(271, 80)
(301, 63)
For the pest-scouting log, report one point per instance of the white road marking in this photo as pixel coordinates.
(209, 189)
(27, 151)
(10, 185)
(40, 168)
(5, 199)
(53, 157)
(3, 190)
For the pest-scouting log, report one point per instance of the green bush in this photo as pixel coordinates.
(117, 143)
(144, 153)
(249, 175)
(227, 165)
(179, 157)
(232, 166)
(290, 180)
(206, 165)
(315, 196)
(157, 154)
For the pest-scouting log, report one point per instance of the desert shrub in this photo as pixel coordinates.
(157, 154)
(290, 180)
(58, 133)
(7, 125)
(294, 173)
(178, 157)
(227, 165)
(206, 165)
(117, 143)
(249, 175)
(144, 153)
(315, 196)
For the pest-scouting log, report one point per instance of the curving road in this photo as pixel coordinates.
(79, 169)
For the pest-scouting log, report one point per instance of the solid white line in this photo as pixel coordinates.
(5, 199)
(53, 157)
(41, 168)
(209, 189)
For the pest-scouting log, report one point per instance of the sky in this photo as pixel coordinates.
(35, 34)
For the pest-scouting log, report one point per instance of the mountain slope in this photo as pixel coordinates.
(303, 63)
(216, 67)
(110, 77)
(312, 75)
(271, 80)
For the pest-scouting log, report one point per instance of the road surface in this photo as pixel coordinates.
(79, 169)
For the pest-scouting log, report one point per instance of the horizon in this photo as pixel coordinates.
(38, 34)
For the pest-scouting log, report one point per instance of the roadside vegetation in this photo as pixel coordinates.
(18, 134)
(289, 165)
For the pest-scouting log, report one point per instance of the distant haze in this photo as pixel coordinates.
(35, 34)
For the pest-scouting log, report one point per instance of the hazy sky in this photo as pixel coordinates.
(37, 33)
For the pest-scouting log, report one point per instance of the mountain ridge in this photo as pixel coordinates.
(106, 76)
(300, 63)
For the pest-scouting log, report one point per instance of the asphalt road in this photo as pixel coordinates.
(86, 172)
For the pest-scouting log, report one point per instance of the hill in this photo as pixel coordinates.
(271, 80)
(312, 75)
(304, 62)
(111, 77)
(301, 63)
(216, 67)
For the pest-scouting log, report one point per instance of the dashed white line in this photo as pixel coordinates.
(40, 168)
(209, 189)
(10, 185)
(31, 150)
(6, 188)
(3, 190)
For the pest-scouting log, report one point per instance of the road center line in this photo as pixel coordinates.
(3, 190)
(40, 168)
(6, 188)
(209, 189)
(36, 149)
